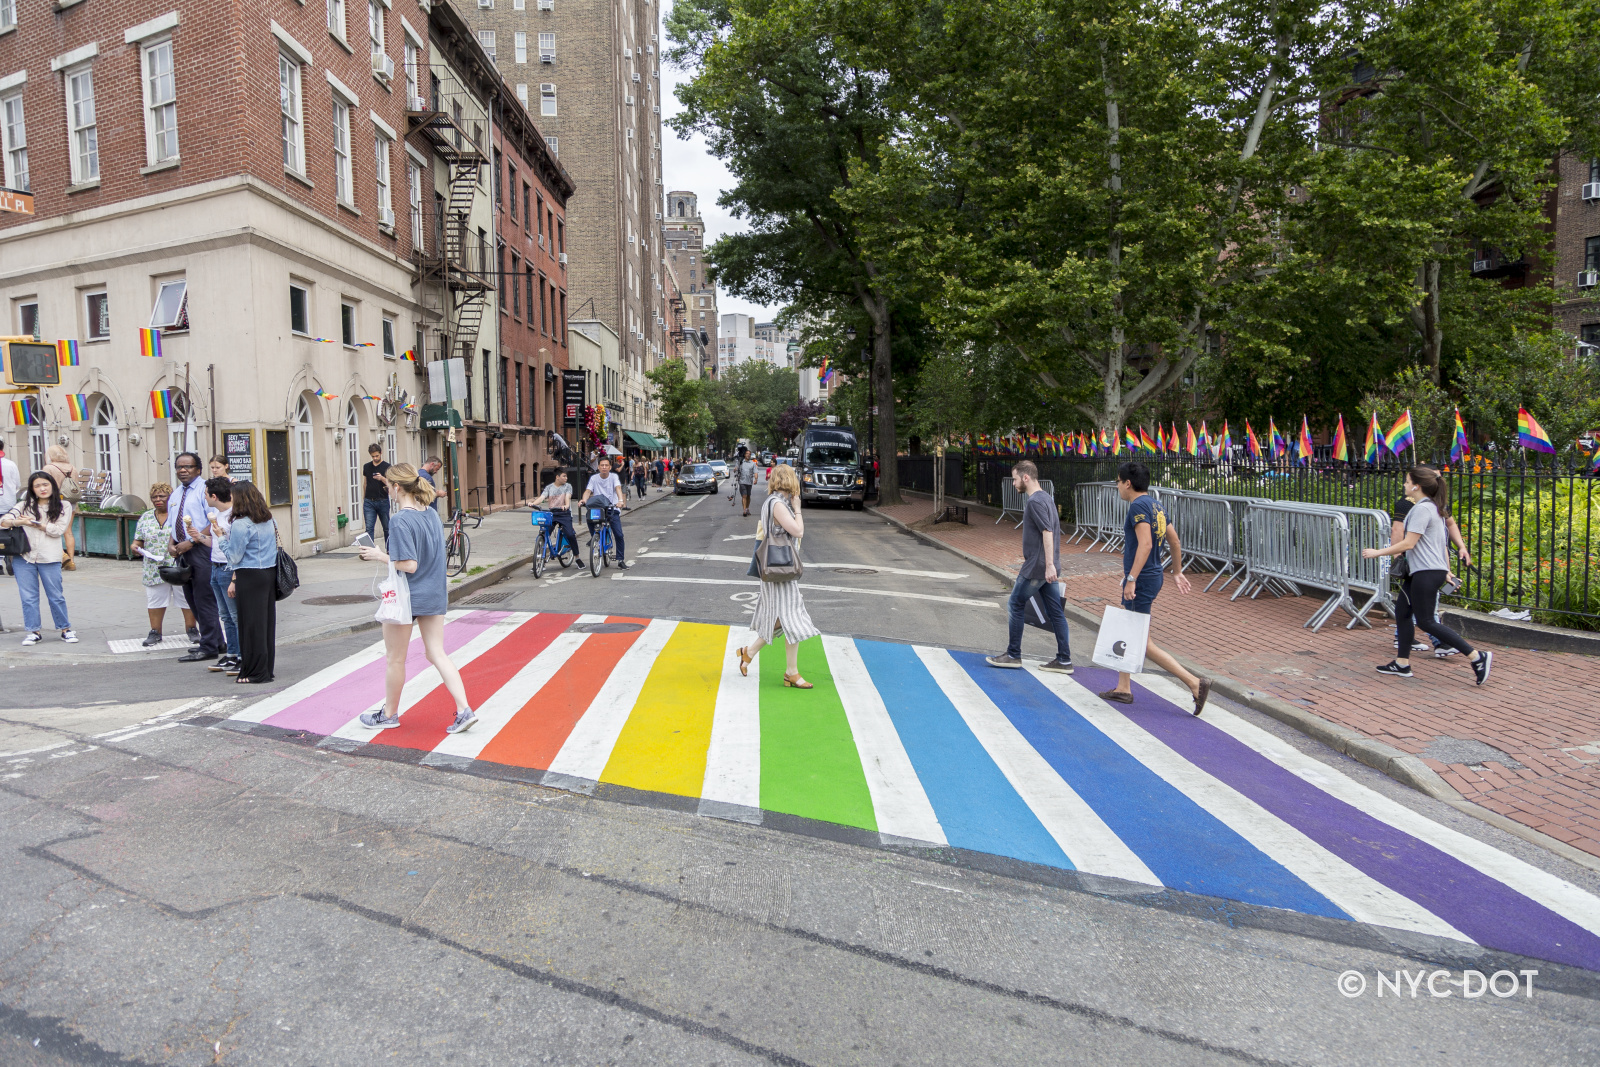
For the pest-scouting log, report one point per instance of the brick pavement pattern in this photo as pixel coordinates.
(1550, 777)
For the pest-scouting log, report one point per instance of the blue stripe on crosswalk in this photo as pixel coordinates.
(1183, 844)
(975, 804)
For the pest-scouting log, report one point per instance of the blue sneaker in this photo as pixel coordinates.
(376, 721)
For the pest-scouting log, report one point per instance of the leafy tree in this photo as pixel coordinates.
(796, 416)
(681, 402)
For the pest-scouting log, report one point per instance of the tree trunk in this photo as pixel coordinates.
(1429, 322)
(883, 396)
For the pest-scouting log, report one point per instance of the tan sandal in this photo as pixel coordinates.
(794, 681)
(745, 659)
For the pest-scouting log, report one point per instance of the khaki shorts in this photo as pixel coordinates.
(164, 595)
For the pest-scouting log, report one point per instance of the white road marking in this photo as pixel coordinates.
(511, 697)
(31, 751)
(742, 537)
(712, 558)
(697, 503)
(733, 759)
(899, 802)
(589, 745)
(1078, 829)
(814, 588)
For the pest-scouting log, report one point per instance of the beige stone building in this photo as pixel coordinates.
(683, 232)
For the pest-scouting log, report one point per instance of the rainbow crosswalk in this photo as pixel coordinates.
(930, 746)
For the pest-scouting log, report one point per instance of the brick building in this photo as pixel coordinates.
(683, 232)
(1577, 250)
(242, 201)
(590, 74)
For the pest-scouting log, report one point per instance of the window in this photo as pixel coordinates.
(8, 13)
(511, 183)
(500, 267)
(516, 290)
(299, 309)
(14, 133)
(519, 5)
(81, 128)
(413, 84)
(28, 319)
(547, 47)
(160, 103)
(519, 41)
(342, 177)
(544, 321)
(414, 191)
(486, 4)
(289, 106)
(171, 311)
(522, 94)
(352, 455)
(561, 237)
(380, 172)
(375, 24)
(1594, 169)
(528, 274)
(547, 105)
(525, 193)
(553, 142)
(1588, 335)
(497, 185)
(347, 324)
(486, 39)
(388, 337)
(1591, 254)
(336, 18)
(97, 316)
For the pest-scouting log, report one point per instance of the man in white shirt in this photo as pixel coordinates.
(219, 498)
(606, 488)
(10, 479)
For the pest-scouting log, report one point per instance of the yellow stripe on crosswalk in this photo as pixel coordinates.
(662, 747)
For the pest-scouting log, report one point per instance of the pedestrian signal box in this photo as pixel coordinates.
(30, 362)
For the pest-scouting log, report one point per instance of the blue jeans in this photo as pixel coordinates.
(221, 575)
(373, 512)
(30, 576)
(616, 531)
(1057, 618)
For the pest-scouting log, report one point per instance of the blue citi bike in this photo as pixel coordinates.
(552, 544)
(601, 544)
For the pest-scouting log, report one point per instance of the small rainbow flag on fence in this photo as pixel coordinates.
(67, 353)
(78, 406)
(1341, 446)
(1252, 445)
(1531, 435)
(23, 414)
(1374, 450)
(1460, 448)
(1400, 435)
(1225, 442)
(1275, 439)
(161, 403)
(1305, 449)
(150, 342)
(324, 394)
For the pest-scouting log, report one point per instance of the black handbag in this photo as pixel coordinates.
(1400, 569)
(176, 573)
(287, 578)
(13, 541)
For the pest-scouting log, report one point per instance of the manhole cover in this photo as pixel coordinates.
(854, 570)
(489, 598)
(342, 598)
(605, 628)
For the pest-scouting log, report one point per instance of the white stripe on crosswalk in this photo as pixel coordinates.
(899, 802)
(733, 758)
(264, 709)
(589, 745)
(1089, 843)
(1555, 893)
(966, 602)
(708, 557)
(1361, 897)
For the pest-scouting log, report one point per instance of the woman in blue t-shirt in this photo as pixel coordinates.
(416, 548)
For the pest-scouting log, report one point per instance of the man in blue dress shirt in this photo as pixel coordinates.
(186, 514)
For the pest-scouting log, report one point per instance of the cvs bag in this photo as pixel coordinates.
(394, 599)
(1122, 639)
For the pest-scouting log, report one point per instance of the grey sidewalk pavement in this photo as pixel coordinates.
(105, 598)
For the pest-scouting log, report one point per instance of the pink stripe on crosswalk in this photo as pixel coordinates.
(331, 707)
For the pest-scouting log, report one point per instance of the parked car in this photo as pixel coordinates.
(720, 466)
(830, 466)
(695, 478)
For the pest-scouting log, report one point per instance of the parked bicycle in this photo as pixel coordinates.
(552, 543)
(602, 548)
(457, 545)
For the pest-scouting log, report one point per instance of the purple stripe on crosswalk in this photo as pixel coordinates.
(1484, 909)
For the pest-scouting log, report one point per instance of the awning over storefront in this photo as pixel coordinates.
(643, 440)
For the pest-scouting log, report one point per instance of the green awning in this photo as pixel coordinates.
(643, 440)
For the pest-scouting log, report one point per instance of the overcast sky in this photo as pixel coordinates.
(687, 165)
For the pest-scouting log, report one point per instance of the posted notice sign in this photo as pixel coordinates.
(16, 201)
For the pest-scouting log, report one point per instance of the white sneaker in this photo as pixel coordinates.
(69, 637)
(33, 638)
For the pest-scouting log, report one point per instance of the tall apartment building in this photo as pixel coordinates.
(738, 342)
(1577, 250)
(590, 74)
(683, 232)
(686, 339)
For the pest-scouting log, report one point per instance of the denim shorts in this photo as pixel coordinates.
(1145, 588)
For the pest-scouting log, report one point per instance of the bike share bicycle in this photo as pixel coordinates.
(602, 547)
(552, 543)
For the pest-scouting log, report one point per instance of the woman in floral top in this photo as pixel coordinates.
(150, 535)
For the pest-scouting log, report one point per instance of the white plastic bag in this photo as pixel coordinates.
(1122, 639)
(394, 599)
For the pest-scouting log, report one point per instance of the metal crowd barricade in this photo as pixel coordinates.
(1369, 528)
(1297, 545)
(1205, 526)
(1013, 501)
(1093, 506)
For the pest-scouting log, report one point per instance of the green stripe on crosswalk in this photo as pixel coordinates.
(809, 763)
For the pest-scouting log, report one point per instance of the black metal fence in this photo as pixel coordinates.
(916, 472)
(1532, 525)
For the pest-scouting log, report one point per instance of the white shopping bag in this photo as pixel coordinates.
(1122, 639)
(394, 599)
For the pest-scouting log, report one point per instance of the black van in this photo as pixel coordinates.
(830, 466)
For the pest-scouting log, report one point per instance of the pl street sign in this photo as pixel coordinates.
(16, 201)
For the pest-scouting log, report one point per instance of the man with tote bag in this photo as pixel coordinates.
(1124, 630)
(1037, 580)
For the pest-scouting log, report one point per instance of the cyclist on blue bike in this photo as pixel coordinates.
(557, 497)
(606, 488)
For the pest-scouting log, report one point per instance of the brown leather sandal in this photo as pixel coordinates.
(794, 681)
(745, 659)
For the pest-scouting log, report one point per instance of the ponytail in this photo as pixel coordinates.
(404, 476)
(1434, 487)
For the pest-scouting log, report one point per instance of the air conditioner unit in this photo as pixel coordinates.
(382, 66)
(547, 57)
(635, 75)
(1480, 265)
(562, 259)
(1588, 279)
(658, 216)
(547, 5)
(650, 49)
(628, 100)
(1591, 190)
(655, 109)
(386, 217)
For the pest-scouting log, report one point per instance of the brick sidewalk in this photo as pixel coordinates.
(1541, 710)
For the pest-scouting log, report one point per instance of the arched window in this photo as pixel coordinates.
(302, 434)
(352, 457)
(680, 209)
(108, 442)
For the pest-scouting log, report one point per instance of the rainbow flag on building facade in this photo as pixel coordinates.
(22, 413)
(67, 353)
(161, 403)
(77, 406)
(150, 343)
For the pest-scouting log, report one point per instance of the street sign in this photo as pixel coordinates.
(439, 417)
(30, 363)
(16, 201)
(455, 388)
(574, 394)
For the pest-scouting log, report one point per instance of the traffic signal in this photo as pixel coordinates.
(30, 362)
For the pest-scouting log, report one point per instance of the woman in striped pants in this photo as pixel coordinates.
(780, 604)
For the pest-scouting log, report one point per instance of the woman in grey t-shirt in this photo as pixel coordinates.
(1424, 548)
(416, 548)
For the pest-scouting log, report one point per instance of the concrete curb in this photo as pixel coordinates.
(1481, 626)
(1401, 766)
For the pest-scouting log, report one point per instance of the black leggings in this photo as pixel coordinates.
(1415, 606)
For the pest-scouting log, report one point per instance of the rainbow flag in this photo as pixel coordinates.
(409, 408)
(1531, 435)
(1174, 442)
(324, 340)
(161, 403)
(1594, 462)
(1304, 451)
(409, 355)
(1145, 442)
(366, 344)
(150, 345)
(1225, 444)
(1116, 443)
(1205, 438)
(67, 353)
(1272, 437)
(1341, 446)
(369, 396)
(1131, 437)
(1374, 450)
(1161, 437)
(1460, 447)
(1251, 445)
(1400, 435)
(1190, 445)
(77, 406)
(22, 413)
(324, 394)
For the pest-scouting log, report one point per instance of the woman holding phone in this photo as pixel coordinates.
(45, 518)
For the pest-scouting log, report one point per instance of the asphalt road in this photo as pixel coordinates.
(178, 894)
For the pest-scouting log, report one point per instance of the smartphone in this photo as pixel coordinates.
(364, 540)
